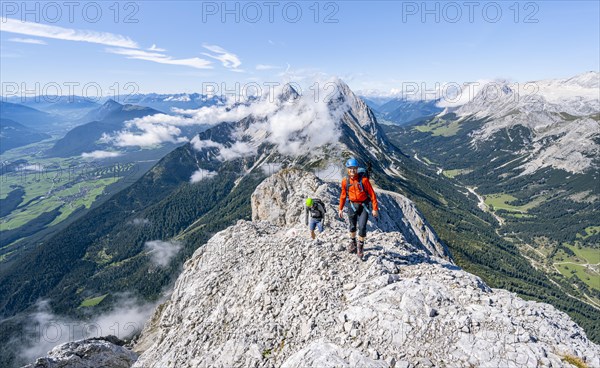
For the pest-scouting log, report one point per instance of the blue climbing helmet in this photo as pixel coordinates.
(351, 162)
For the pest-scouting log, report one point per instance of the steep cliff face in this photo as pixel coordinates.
(262, 294)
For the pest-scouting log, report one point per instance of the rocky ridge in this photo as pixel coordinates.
(88, 353)
(262, 294)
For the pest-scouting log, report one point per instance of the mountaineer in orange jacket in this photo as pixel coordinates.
(357, 188)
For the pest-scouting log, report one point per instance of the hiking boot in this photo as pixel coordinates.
(352, 246)
(361, 247)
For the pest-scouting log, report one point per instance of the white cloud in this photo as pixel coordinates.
(302, 75)
(228, 59)
(217, 114)
(67, 34)
(300, 126)
(293, 127)
(157, 49)
(238, 149)
(161, 58)
(161, 119)
(122, 321)
(121, 45)
(33, 41)
(31, 167)
(201, 174)
(266, 67)
(152, 135)
(140, 221)
(199, 145)
(100, 154)
(149, 131)
(162, 252)
(276, 43)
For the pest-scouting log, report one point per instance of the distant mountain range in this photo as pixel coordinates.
(21, 125)
(556, 126)
(13, 135)
(44, 102)
(106, 119)
(45, 110)
(403, 111)
(167, 102)
(90, 118)
(28, 116)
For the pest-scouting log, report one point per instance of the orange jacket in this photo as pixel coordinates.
(355, 194)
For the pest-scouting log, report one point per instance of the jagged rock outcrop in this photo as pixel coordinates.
(262, 294)
(88, 353)
(280, 200)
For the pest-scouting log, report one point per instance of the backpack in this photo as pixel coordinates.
(315, 209)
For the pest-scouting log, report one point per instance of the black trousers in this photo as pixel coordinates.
(358, 216)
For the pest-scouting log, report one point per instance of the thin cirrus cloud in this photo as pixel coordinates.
(157, 49)
(67, 34)
(33, 41)
(120, 45)
(266, 67)
(160, 58)
(228, 59)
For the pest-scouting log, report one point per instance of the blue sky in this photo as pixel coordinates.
(373, 45)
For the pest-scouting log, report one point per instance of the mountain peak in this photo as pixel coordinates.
(316, 132)
(288, 93)
(110, 103)
(343, 90)
(590, 79)
(342, 86)
(343, 95)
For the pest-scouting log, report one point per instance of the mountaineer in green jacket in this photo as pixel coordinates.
(316, 209)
